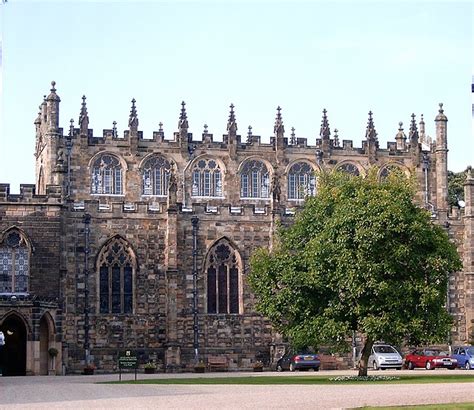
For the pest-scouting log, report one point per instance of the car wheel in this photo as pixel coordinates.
(468, 366)
(279, 368)
(375, 365)
(429, 366)
(292, 367)
(410, 366)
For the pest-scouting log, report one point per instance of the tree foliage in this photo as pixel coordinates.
(456, 187)
(360, 256)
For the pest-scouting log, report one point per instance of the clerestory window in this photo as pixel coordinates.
(14, 263)
(207, 179)
(106, 176)
(301, 181)
(223, 279)
(254, 180)
(156, 176)
(116, 266)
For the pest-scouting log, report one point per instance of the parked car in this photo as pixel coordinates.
(430, 359)
(465, 356)
(298, 361)
(384, 356)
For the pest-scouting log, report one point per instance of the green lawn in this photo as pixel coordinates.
(267, 380)
(451, 406)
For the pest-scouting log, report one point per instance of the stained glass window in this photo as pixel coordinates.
(223, 276)
(254, 180)
(156, 176)
(301, 181)
(106, 176)
(116, 268)
(207, 179)
(14, 263)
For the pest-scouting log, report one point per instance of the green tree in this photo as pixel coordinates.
(456, 187)
(361, 256)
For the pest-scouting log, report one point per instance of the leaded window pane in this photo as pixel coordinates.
(207, 179)
(255, 180)
(14, 264)
(349, 169)
(6, 269)
(211, 290)
(223, 288)
(106, 176)
(116, 278)
(301, 181)
(158, 171)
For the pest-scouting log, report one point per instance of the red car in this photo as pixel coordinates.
(430, 359)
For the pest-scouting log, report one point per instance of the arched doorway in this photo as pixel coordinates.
(13, 354)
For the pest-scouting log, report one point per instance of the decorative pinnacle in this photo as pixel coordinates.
(114, 129)
(279, 128)
(422, 121)
(400, 126)
(183, 115)
(53, 84)
(293, 136)
(231, 124)
(336, 137)
(441, 108)
(325, 132)
(183, 118)
(71, 127)
(205, 129)
(83, 113)
(413, 128)
(133, 120)
(249, 134)
(370, 133)
(161, 127)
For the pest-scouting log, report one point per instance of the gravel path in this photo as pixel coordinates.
(82, 392)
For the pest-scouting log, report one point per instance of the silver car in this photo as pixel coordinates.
(384, 356)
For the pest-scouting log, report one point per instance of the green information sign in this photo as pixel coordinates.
(128, 360)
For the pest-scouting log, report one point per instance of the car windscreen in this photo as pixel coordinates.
(470, 351)
(432, 353)
(384, 349)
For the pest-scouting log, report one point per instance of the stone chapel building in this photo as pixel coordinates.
(126, 242)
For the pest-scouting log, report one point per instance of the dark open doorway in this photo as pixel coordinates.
(13, 353)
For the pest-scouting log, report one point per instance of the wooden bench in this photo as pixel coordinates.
(217, 363)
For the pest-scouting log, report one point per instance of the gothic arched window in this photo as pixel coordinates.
(223, 276)
(116, 267)
(349, 169)
(207, 178)
(254, 180)
(156, 176)
(14, 263)
(388, 169)
(106, 175)
(301, 181)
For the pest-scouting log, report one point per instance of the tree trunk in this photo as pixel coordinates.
(363, 365)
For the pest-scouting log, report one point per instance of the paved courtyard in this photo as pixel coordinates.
(83, 392)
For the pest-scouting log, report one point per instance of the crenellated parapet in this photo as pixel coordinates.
(53, 195)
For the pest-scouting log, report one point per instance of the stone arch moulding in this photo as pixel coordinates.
(123, 163)
(315, 167)
(394, 164)
(362, 171)
(22, 233)
(205, 156)
(18, 315)
(267, 163)
(240, 264)
(50, 321)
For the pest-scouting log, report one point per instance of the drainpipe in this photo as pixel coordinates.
(195, 222)
(87, 221)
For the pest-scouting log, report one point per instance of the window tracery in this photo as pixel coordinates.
(106, 176)
(254, 180)
(349, 168)
(116, 267)
(14, 263)
(223, 276)
(156, 176)
(301, 181)
(207, 179)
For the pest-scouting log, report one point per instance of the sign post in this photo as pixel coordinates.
(127, 360)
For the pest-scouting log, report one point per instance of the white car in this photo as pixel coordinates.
(384, 356)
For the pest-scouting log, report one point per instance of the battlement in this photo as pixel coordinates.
(54, 194)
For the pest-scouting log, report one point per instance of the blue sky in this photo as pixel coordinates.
(393, 58)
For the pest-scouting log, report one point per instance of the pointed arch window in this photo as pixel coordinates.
(254, 180)
(14, 263)
(301, 181)
(349, 169)
(106, 176)
(388, 169)
(207, 179)
(116, 267)
(156, 176)
(223, 279)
